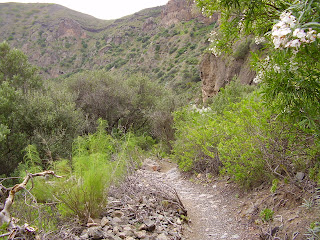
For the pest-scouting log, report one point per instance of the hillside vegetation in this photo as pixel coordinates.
(62, 42)
(108, 94)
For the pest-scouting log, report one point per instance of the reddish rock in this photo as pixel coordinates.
(183, 10)
(70, 28)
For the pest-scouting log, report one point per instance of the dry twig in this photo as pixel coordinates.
(5, 213)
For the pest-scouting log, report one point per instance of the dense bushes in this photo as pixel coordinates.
(30, 114)
(126, 102)
(238, 136)
(98, 160)
(273, 133)
(50, 115)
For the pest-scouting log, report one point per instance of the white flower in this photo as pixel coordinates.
(259, 40)
(293, 43)
(279, 25)
(311, 35)
(276, 42)
(258, 78)
(318, 35)
(288, 18)
(299, 33)
(276, 68)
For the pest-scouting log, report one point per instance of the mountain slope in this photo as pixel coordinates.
(164, 43)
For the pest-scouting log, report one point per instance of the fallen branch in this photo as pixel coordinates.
(5, 217)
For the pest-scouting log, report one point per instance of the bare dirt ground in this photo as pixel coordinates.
(218, 209)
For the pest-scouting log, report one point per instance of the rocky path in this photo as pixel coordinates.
(212, 210)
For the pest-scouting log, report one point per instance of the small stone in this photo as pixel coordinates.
(89, 225)
(141, 234)
(225, 235)
(127, 228)
(142, 227)
(116, 220)
(129, 238)
(116, 230)
(122, 235)
(128, 233)
(104, 221)
(84, 236)
(300, 176)
(95, 233)
(178, 221)
(150, 225)
(106, 228)
(118, 214)
(162, 236)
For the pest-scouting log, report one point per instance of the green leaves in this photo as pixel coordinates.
(15, 69)
(241, 18)
(244, 140)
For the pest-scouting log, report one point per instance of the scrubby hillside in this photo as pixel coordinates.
(164, 43)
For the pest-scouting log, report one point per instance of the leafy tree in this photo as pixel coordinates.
(31, 115)
(15, 69)
(126, 103)
(240, 18)
(12, 139)
(289, 74)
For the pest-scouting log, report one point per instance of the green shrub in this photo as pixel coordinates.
(99, 160)
(197, 131)
(266, 215)
(238, 136)
(196, 139)
(258, 147)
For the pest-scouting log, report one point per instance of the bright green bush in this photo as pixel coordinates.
(266, 215)
(98, 161)
(194, 147)
(198, 131)
(245, 141)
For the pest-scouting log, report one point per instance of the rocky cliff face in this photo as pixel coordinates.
(216, 72)
(70, 28)
(182, 10)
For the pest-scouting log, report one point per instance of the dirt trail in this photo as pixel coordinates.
(212, 209)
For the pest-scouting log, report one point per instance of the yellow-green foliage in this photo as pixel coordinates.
(98, 161)
(244, 140)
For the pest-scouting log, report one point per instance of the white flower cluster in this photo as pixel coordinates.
(259, 40)
(265, 66)
(213, 40)
(200, 110)
(285, 34)
(258, 78)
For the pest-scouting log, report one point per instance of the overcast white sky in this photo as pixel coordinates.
(103, 9)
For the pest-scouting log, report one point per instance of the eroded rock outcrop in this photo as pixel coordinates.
(182, 10)
(216, 72)
(70, 28)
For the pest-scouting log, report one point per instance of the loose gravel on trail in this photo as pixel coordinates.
(213, 213)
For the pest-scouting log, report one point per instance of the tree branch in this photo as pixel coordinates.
(5, 213)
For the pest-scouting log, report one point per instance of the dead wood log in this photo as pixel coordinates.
(5, 217)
